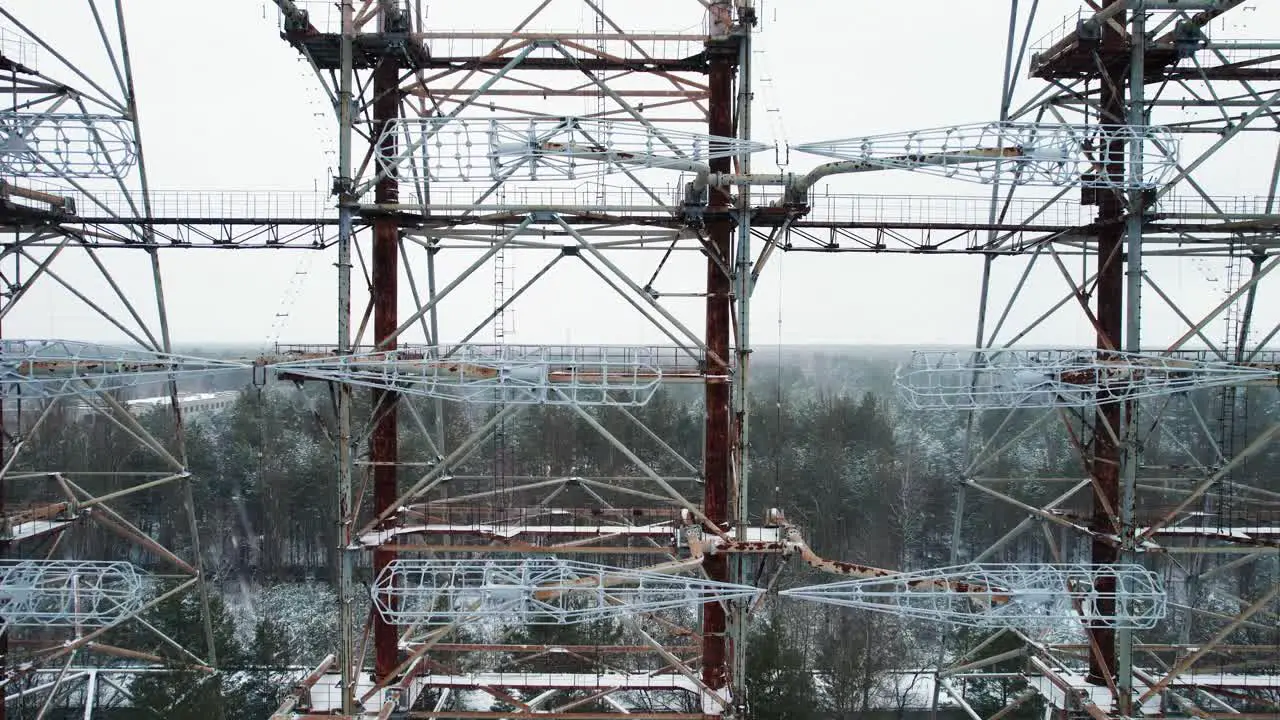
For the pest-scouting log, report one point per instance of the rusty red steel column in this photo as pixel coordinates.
(383, 450)
(718, 450)
(1110, 328)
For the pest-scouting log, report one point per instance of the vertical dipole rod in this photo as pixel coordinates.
(717, 460)
(383, 444)
(434, 323)
(739, 622)
(346, 513)
(1133, 334)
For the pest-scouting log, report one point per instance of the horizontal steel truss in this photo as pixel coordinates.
(539, 591)
(1067, 689)
(88, 689)
(502, 531)
(829, 224)
(319, 693)
(505, 374)
(66, 145)
(1017, 153)
(1028, 596)
(1030, 378)
(75, 593)
(66, 368)
(571, 529)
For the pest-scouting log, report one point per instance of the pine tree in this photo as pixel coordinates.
(261, 685)
(190, 694)
(779, 685)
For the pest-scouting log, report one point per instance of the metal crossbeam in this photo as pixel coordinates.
(452, 149)
(60, 368)
(46, 593)
(1006, 379)
(1017, 153)
(506, 374)
(66, 145)
(1006, 595)
(535, 591)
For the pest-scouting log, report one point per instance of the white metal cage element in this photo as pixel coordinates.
(453, 149)
(1033, 596)
(535, 591)
(60, 368)
(509, 374)
(1017, 378)
(46, 593)
(1019, 153)
(58, 145)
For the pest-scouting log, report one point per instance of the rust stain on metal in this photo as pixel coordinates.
(383, 441)
(856, 570)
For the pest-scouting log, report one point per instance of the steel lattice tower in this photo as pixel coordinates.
(427, 99)
(72, 149)
(456, 143)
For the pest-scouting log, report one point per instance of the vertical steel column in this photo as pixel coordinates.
(1133, 333)
(739, 622)
(1110, 316)
(717, 458)
(4, 542)
(971, 429)
(346, 513)
(383, 451)
(1256, 258)
(162, 313)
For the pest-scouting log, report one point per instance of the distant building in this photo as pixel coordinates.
(191, 404)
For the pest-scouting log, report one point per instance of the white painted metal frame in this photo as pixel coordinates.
(1027, 378)
(536, 591)
(503, 374)
(565, 148)
(1027, 596)
(1016, 153)
(66, 145)
(68, 592)
(59, 368)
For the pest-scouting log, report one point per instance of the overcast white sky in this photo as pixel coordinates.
(226, 105)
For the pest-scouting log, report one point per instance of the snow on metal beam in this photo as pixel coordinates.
(536, 591)
(1006, 595)
(59, 368)
(45, 593)
(1016, 153)
(1016, 378)
(509, 531)
(474, 149)
(325, 697)
(508, 374)
(58, 145)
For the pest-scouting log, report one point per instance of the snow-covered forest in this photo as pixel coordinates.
(866, 479)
